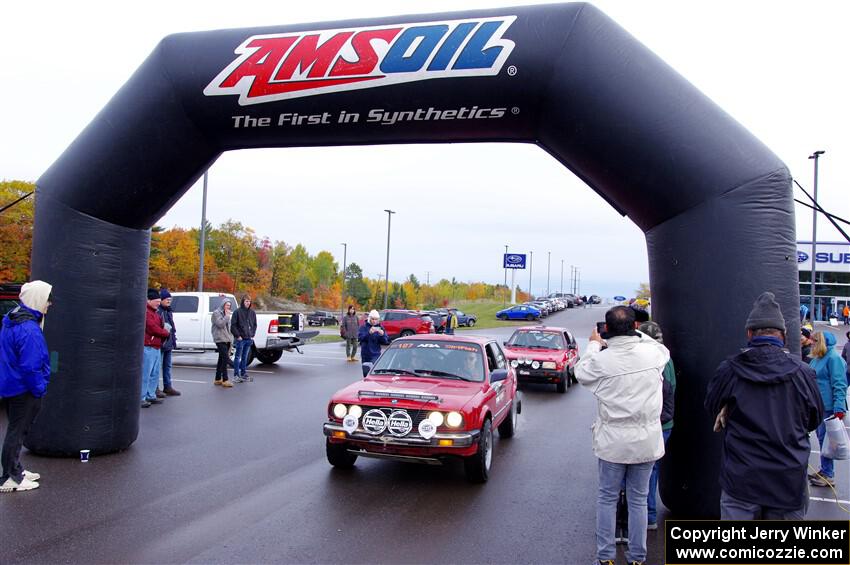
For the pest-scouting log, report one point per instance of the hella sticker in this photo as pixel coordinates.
(292, 65)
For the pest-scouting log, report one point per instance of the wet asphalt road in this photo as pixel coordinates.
(240, 475)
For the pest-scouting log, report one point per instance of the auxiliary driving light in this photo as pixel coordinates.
(340, 410)
(535, 364)
(436, 418)
(355, 410)
(454, 419)
(514, 363)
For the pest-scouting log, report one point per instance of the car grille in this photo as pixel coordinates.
(415, 415)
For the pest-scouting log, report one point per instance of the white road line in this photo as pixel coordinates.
(188, 381)
(832, 500)
(305, 364)
(213, 369)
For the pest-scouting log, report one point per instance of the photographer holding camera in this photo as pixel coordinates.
(372, 336)
(626, 378)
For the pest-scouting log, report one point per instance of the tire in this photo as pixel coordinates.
(561, 386)
(529, 317)
(470, 323)
(477, 466)
(406, 333)
(268, 356)
(502, 317)
(338, 455)
(507, 429)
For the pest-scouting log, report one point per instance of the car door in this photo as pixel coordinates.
(572, 349)
(187, 321)
(501, 390)
(391, 323)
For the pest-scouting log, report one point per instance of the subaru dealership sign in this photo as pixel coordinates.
(829, 257)
(514, 261)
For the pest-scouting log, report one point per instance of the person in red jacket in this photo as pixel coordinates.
(155, 332)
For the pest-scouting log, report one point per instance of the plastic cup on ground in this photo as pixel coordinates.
(84, 455)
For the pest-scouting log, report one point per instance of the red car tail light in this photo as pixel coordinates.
(273, 327)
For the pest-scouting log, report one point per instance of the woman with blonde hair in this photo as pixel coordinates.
(832, 383)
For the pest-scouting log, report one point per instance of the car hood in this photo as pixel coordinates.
(532, 353)
(409, 392)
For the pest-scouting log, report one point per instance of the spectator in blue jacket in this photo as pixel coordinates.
(831, 371)
(24, 374)
(765, 402)
(372, 336)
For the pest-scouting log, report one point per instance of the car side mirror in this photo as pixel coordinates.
(498, 375)
(367, 368)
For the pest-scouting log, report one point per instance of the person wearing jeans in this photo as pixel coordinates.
(155, 332)
(24, 376)
(624, 373)
(831, 374)
(243, 326)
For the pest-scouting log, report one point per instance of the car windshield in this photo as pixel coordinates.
(433, 358)
(537, 340)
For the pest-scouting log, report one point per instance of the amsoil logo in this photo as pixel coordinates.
(292, 65)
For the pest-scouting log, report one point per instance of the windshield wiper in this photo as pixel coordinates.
(440, 374)
(392, 372)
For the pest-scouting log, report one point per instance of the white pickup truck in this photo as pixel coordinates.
(276, 331)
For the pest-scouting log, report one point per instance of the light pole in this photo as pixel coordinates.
(203, 235)
(530, 261)
(387, 270)
(815, 157)
(548, 265)
(562, 276)
(505, 300)
(344, 257)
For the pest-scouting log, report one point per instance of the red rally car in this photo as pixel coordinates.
(428, 397)
(543, 354)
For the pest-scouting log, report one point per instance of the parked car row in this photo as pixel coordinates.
(322, 318)
(429, 398)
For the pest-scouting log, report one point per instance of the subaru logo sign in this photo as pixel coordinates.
(802, 257)
(514, 261)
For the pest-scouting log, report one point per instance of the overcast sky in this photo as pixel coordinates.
(779, 68)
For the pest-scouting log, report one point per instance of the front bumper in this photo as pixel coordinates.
(459, 440)
(529, 375)
(289, 340)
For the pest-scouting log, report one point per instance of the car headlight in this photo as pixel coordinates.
(436, 418)
(514, 363)
(355, 410)
(535, 364)
(549, 365)
(454, 419)
(340, 410)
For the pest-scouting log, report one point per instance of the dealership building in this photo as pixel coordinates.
(832, 277)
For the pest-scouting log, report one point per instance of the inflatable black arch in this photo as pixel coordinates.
(714, 202)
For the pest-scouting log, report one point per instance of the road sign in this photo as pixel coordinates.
(514, 261)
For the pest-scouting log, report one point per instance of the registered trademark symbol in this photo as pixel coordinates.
(514, 110)
(512, 70)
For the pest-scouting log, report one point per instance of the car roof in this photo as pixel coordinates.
(543, 328)
(479, 339)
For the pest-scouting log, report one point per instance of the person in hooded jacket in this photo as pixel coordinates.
(222, 338)
(24, 376)
(626, 379)
(831, 372)
(372, 336)
(243, 326)
(168, 345)
(348, 330)
(765, 402)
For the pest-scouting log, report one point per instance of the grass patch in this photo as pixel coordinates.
(485, 313)
(326, 338)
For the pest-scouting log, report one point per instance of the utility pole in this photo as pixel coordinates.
(427, 278)
(548, 265)
(203, 234)
(530, 260)
(815, 157)
(562, 276)
(344, 265)
(506, 274)
(387, 273)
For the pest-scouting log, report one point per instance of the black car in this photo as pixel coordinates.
(322, 318)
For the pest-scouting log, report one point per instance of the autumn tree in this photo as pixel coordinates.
(16, 230)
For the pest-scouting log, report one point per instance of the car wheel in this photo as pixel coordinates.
(338, 455)
(477, 466)
(406, 333)
(562, 384)
(502, 316)
(267, 357)
(529, 317)
(508, 427)
(470, 323)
